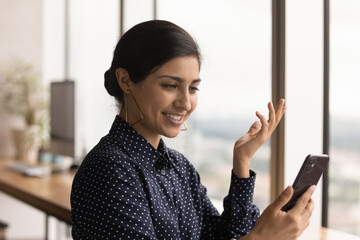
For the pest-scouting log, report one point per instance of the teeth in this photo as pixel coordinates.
(175, 117)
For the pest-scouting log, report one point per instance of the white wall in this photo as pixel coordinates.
(53, 40)
(304, 89)
(21, 38)
(20, 30)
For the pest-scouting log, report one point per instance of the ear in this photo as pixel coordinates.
(123, 79)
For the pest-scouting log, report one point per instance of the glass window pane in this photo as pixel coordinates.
(344, 189)
(136, 11)
(304, 88)
(93, 34)
(235, 40)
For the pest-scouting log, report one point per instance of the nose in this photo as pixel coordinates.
(183, 101)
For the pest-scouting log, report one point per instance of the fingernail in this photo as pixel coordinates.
(287, 190)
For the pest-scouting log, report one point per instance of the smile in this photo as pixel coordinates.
(175, 117)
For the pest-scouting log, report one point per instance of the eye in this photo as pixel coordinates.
(169, 86)
(194, 89)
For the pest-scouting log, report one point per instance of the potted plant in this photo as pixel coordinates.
(22, 95)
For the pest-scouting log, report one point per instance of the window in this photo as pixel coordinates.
(304, 89)
(235, 40)
(93, 33)
(344, 180)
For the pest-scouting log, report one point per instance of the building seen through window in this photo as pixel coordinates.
(344, 182)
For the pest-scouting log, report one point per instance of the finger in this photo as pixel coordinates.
(272, 115)
(280, 109)
(264, 123)
(254, 128)
(302, 202)
(308, 209)
(306, 216)
(283, 198)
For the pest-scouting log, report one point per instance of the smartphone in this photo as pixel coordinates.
(309, 174)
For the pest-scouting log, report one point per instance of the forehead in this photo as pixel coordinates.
(185, 67)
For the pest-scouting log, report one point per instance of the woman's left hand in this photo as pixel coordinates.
(246, 146)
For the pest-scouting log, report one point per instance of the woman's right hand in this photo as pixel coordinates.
(275, 224)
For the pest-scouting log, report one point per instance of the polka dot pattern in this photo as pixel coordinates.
(126, 189)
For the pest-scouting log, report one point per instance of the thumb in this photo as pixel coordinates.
(283, 198)
(254, 127)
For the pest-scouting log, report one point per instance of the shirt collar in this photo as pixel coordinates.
(138, 147)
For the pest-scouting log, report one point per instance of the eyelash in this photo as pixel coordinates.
(173, 86)
(194, 89)
(169, 86)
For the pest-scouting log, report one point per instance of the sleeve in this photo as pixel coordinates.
(108, 202)
(239, 215)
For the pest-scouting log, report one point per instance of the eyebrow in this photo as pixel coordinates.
(178, 78)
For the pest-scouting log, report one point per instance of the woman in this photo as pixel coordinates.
(131, 186)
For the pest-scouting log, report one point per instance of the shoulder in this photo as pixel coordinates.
(104, 174)
(107, 161)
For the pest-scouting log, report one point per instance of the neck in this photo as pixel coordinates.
(151, 137)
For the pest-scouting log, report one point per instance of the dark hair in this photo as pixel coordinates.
(144, 48)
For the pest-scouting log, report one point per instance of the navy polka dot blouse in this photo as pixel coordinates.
(126, 189)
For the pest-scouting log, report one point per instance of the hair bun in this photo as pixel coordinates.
(111, 84)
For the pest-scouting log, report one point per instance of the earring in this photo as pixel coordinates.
(185, 127)
(126, 109)
(138, 108)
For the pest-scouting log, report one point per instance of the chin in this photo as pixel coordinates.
(171, 134)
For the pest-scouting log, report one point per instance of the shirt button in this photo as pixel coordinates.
(163, 172)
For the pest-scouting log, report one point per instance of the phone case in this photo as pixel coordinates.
(309, 174)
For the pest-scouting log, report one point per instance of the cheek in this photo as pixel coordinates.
(194, 102)
(152, 99)
(158, 102)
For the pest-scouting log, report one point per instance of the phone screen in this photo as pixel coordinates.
(309, 174)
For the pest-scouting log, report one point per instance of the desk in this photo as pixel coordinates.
(50, 194)
(326, 234)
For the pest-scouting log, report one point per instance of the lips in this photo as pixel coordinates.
(174, 117)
